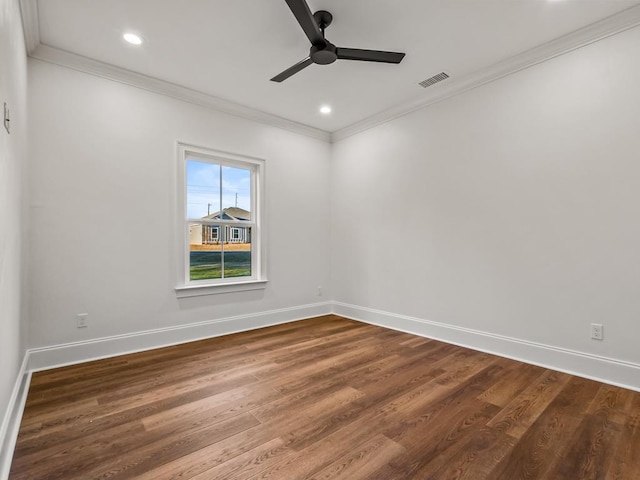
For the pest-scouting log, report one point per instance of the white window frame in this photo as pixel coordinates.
(258, 279)
(215, 230)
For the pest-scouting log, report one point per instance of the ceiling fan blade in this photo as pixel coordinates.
(369, 55)
(303, 15)
(292, 70)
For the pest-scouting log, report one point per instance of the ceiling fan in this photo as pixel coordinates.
(323, 52)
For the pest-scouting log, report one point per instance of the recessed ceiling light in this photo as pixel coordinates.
(132, 38)
(325, 109)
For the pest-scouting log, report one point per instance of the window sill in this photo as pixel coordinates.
(200, 290)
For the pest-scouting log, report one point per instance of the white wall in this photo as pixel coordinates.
(13, 155)
(512, 209)
(103, 208)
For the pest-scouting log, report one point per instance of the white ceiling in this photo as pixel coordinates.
(231, 48)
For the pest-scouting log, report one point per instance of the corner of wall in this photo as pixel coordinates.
(11, 421)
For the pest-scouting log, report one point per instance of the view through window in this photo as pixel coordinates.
(220, 219)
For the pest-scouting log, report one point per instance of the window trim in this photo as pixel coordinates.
(258, 279)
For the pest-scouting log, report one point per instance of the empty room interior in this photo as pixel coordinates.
(314, 239)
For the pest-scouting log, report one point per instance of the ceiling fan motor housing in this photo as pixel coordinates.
(323, 54)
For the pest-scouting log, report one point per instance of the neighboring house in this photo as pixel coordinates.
(212, 234)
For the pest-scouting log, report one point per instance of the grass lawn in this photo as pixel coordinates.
(208, 265)
(207, 272)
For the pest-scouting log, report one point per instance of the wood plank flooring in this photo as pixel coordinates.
(324, 398)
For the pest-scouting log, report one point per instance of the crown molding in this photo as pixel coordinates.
(63, 58)
(30, 24)
(607, 27)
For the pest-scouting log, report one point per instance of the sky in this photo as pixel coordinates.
(203, 187)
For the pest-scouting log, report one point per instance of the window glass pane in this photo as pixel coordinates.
(237, 252)
(203, 189)
(204, 264)
(236, 193)
(209, 245)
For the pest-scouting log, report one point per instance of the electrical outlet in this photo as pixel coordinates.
(597, 331)
(81, 320)
(319, 291)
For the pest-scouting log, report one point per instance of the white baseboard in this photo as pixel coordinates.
(602, 369)
(71, 353)
(11, 421)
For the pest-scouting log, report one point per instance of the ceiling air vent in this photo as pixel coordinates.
(435, 79)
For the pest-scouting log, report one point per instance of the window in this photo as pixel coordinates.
(213, 236)
(221, 222)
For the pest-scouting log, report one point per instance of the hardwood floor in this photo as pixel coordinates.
(324, 398)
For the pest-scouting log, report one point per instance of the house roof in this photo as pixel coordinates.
(230, 213)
